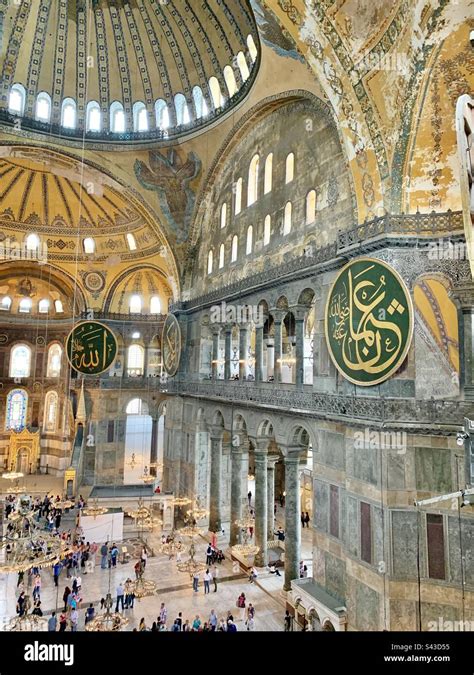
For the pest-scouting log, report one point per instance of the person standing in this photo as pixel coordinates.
(209, 555)
(215, 574)
(144, 557)
(213, 620)
(249, 497)
(302, 519)
(114, 555)
(37, 588)
(207, 579)
(52, 623)
(74, 619)
(241, 604)
(56, 572)
(163, 614)
(62, 623)
(120, 594)
(287, 621)
(66, 594)
(196, 582)
(250, 617)
(306, 519)
(104, 550)
(20, 604)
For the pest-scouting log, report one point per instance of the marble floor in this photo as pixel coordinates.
(173, 587)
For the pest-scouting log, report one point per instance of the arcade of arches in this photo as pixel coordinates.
(153, 166)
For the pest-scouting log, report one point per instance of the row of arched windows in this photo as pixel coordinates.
(32, 243)
(136, 304)
(20, 360)
(25, 305)
(267, 229)
(253, 183)
(17, 406)
(185, 111)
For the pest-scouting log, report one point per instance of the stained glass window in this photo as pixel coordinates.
(17, 403)
(50, 411)
(20, 359)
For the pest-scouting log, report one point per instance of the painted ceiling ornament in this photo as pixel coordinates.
(171, 177)
(274, 35)
(171, 344)
(26, 288)
(91, 348)
(368, 321)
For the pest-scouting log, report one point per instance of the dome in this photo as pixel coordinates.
(125, 71)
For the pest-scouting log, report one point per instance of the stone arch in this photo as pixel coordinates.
(300, 435)
(306, 297)
(328, 626)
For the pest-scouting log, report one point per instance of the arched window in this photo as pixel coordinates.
(310, 207)
(267, 182)
(287, 219)
(217, 97)
(135, 304)
(243, 67)
(117, 118)
(235, 246)
(135, 360)
(6, 302)
(248, 248)
(89, 245)
(238, 197)
(20, 361)
(132, 244)
(223, 215)
(155, 305)
(290, 168)
(252, 48)
(50, 411)
(93, 116)
(210, 256)
(16, 99)
(267, 230)
(162, 114)
(58, 306)
(181, 108)
(53, 368)
(140, 117)
(137, 407)
(25, 305)
(68, 113)
(221, 256)
(32, 242)
(43, 107)
(17, 405)
(252, 190)
(43, 306)
(200, 105)
(229, 77)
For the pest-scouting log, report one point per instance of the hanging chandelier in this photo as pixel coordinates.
(107, 621)
(197, 512)
(64, 504)
(12, 475)
(191, 566)
(245, 549)
(141, 513)
(146, 477)
(28, 623)
(94, 509)
(181, 501)
(172, 547)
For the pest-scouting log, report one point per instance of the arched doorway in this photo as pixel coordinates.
(23, 461)
(138, 432)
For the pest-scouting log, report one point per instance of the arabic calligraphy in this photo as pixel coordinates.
(91, 348)
(369, 321)
(171, 344)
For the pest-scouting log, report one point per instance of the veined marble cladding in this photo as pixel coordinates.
(433, 470)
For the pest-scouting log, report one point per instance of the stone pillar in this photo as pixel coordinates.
(292, 517)
(243, 340)
(466, 353)
(154, 446)
(215, 353)
(228, 351)
(236, 490)
(125, 360)
(145, 360)
(299, 314)
(261, 501)
(259, 353)
(215, 492)
(278, 316)
(271, 496)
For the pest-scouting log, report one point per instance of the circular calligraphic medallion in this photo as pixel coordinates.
(91, 347)
(368, 321)
(94, 281)
(171, 344)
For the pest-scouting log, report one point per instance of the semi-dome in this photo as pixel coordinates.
(117, 70)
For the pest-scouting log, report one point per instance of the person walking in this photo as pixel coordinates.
(144, 557)
(163, 615)
(307, 519)
(120, 594)
(90, 613)
(249, 497)
(62, 623)
(142, 625)
(52, 623)
(74, 620)
(20, 604)
(56, 572)
(287, 621)
(302, 519)
(215, 574)
(66, 594)
(114, 555)
(196, 582)
(37, 588)
(104, 550)
(250, 614)
(241, 604)
(209, 555)
(207, 579)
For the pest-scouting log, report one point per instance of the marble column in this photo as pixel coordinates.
(299, 314)
(466, 351)
(271, 496)
(261, 502)
(215, 491)
(215, 353)
(145, 360)
(235, 490)
(259, 353)
(228, 351)
(292, 518)
(243, 346)
(278, 316)
(154, 446)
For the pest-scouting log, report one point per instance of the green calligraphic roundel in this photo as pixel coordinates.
(369, 321)
(171, 344)
(91, 348)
